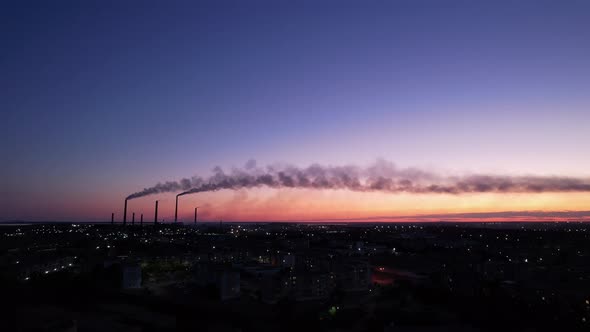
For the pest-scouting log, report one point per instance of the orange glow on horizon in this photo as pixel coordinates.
(264, 204)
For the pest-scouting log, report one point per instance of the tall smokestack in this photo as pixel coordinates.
(141, 220)
(133, 219)
(196, 215)
(125, 213)
(176, 210)
(112, 218)
(156, 214)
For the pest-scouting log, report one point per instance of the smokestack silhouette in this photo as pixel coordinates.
(156, 214)
(196, 215)
(141, 220)
(176, 210)
(125, 212)
(382, 176)
(113, 218)
(133, 219)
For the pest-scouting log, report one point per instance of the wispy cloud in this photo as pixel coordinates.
(488, 216)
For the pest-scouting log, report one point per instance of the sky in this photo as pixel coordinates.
(101, 99)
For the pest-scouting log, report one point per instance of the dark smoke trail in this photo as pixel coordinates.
(382, 176)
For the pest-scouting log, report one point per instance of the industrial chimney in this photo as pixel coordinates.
(156, 214)
(176, 210)
(112, 218)
(125, 213)
(141, 220)
(133, 219)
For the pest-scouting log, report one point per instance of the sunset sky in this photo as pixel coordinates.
(102, 99)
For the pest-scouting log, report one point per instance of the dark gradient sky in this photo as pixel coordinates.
(102, 98)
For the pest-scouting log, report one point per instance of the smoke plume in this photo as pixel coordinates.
(382, 176)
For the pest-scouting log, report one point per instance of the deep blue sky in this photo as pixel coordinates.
(106, 97)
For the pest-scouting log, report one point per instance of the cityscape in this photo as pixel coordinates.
(295, 165)
(293, 276)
